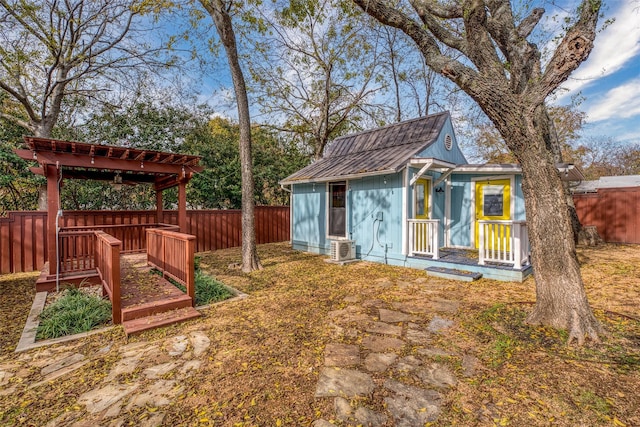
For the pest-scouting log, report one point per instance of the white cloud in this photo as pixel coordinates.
(620, 102)
(616, 45)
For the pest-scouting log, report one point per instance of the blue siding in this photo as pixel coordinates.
(309, 218)
(438, 150)
(519, 214)
(375, 216)
(461, 210)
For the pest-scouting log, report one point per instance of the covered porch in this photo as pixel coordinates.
(502, 253)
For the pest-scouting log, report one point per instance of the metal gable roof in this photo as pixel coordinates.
(372, 152)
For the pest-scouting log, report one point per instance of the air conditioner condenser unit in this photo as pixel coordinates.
(343, 250)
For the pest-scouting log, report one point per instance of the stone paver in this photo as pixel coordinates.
(159, 370)
(98, 400)
(322, 423)
(342, 408)
(392, 316)
(177, 345)
(161, 393)
(411, 406)
(349, 314)
(444, 305)
(437, 375)
(341, 355)
(61, 363)
(417, 336)
(469, 365)
(380, 344)
(343, 382)
(367, 417)
(384, 328)
(125, 366)
(434, 352)
(200, 342)
(439, 324)
(379, 362)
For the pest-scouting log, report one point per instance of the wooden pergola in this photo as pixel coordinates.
(59, 160)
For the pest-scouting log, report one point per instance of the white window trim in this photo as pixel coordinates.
(347, 210)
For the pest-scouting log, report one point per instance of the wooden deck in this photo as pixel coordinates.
(149, 300)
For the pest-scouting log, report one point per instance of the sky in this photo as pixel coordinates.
(607, 85)
(609, 81)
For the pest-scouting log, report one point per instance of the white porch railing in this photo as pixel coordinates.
(505, 242)
(423, 237)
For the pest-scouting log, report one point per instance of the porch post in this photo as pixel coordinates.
(53, 199)
(159, 215)
(182, 205)
(517, 245)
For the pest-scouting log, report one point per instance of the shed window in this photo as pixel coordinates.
(337, 208)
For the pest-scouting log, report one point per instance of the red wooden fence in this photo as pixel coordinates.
(614, 212)
(23, 235)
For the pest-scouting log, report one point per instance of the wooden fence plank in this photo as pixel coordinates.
(23, 234)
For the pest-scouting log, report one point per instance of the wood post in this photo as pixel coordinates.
(182, 206)
(189, 253)
(53, 199)
(159, 211)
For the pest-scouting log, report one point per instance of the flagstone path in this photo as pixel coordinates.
(160, 363)
(383, 351)
(380, 354)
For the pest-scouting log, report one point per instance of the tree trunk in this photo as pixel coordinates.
(561, 300)
(219, 12)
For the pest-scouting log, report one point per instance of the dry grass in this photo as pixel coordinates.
(16, 296)
(267, 350)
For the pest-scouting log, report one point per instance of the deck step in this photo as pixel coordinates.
(449, 273)
(155, 307)
(160, 319)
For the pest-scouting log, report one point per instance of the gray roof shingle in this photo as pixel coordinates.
(386, 149)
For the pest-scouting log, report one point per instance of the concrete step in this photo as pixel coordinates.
(155, 307)
(449, 273)
(160, 319)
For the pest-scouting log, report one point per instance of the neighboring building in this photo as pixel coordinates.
(611, 204)
(402, 192)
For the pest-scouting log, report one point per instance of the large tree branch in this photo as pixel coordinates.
(574, 48)
(481, 48)
(424, 10)
(13, 119)
(21, 98)
(448, 67)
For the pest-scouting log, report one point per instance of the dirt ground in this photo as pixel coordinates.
(267, 350)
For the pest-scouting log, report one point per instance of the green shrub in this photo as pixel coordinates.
(208, 289)
(73, 313)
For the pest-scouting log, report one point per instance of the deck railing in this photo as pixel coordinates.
(132, 236)
(423, 237)
(173, 254)
(504, 242)
(76, 251)
(107, 259)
